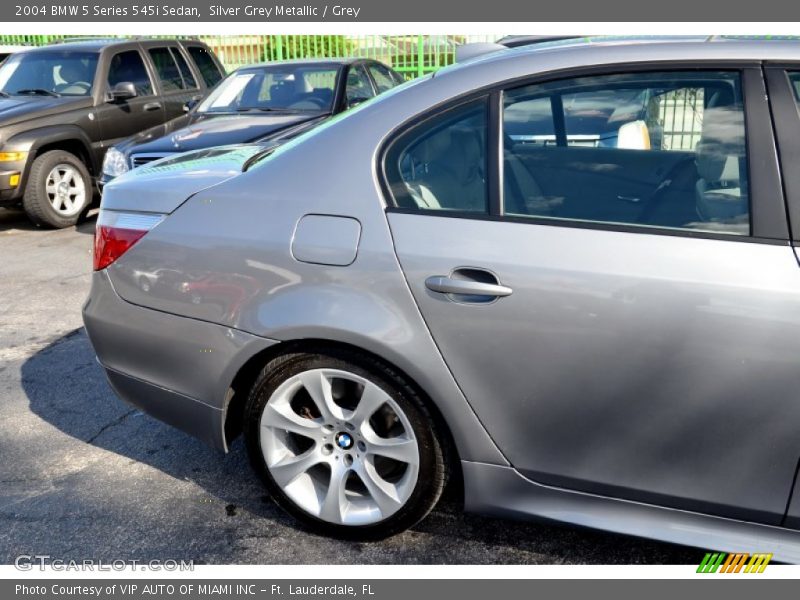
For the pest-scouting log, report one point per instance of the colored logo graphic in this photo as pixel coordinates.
(719, 562)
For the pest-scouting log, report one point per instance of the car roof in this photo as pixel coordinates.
(338, 61)
(508, 67)
(716, 46)
(609, 50)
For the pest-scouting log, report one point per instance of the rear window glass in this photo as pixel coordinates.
(208, 68)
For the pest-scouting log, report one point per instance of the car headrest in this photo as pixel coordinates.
(466, 154)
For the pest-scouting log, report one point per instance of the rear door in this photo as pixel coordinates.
(621, 308)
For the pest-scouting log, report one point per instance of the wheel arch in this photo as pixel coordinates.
(247, 374)
(61, 137)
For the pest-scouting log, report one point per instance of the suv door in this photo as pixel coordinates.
(615, 295)
(176, 81)
(122, 119)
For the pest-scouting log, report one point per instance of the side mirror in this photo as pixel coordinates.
(355, 101)
(124, 90)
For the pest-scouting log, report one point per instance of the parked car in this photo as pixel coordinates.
(7, 50)
(601, 334)
(260, 103)
(62, 106)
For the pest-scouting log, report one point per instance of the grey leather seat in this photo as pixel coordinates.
(452, 177)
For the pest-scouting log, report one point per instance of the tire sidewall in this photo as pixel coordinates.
(430, 476)
(35, 201)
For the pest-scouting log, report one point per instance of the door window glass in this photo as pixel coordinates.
(441, 164)
(649, 149)
(358, 86)
(183, 68)
(129, 67)
(166, 69)
(208, 68)
(382, 77)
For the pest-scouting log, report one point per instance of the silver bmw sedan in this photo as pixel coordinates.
(563, 275)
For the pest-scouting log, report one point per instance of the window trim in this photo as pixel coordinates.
(768, 220)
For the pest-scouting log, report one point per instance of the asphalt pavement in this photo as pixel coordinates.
(85, 476)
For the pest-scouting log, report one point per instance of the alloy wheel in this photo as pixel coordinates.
(66, 190)
(339, 447)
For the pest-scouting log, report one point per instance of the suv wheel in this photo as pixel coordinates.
(344, 444)
(59, 188)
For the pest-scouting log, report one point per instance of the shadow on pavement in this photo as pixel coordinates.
(15, 219)
(66, 387)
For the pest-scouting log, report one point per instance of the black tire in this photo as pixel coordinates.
(432, 475)
(35, 201)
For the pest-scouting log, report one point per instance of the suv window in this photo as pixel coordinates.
(128, 66)
(359, 87)
(186, 73)
(382, 77)
(208, 68)
(167, 70)
(441, 164)
(650, 149)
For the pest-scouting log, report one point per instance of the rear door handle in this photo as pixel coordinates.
(152, 106)
(448, 285)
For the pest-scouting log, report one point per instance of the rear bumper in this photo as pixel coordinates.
(176, 369)
(187, 414)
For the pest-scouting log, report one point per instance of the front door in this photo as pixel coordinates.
(122, 119)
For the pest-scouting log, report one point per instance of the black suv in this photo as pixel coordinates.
(63, 106)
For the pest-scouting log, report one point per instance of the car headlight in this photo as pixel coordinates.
(115, 163)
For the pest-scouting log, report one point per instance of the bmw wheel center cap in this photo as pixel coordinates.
(344, 440)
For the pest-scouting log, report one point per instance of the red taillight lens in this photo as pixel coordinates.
(116, 232)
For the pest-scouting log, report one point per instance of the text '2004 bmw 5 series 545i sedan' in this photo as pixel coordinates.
(564, 274)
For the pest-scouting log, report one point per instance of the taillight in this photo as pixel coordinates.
(116, 232)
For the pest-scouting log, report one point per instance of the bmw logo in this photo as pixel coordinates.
(344, 440)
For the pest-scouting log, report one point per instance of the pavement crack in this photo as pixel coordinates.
(108, 426)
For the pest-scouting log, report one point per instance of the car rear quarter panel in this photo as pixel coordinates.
(227, 251)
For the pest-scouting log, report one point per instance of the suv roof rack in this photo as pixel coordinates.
(120, 39)
(72, 40)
